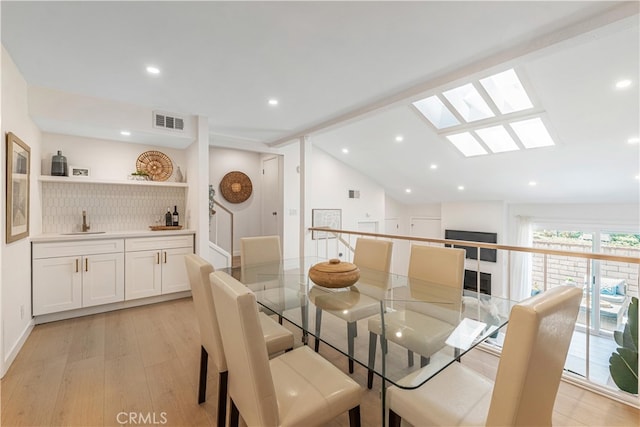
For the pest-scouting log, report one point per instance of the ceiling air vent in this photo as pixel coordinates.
(164, 121)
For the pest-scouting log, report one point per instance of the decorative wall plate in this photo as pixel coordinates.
(236, 187)
(156, 164)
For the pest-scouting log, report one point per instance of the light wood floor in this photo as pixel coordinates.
(144, 360)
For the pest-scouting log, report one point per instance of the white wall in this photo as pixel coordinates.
(103, 118)
(247, 215)
(330, 181)
(398, 221)
(106, 159)
(15, 290)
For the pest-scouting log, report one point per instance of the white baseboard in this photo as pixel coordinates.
(6, 363)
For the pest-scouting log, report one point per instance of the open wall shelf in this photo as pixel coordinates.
(83, 180)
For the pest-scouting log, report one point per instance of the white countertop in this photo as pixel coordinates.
(57, 237)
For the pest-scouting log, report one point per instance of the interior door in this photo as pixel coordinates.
(271, 200)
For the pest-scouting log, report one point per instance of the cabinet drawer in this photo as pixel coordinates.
(59, 249)
(164, 242)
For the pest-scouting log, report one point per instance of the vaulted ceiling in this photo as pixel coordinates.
(345, 74)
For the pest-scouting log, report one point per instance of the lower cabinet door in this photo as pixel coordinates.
(102, 279)
(174, 271)
(57, 284)
(143, 274)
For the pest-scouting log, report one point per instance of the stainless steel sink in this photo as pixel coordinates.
(83, 232)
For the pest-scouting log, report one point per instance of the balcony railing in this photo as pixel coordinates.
(602, 311)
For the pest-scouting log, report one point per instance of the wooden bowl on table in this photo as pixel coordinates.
(334, 274)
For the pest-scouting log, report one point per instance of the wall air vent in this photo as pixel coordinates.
(164, 121)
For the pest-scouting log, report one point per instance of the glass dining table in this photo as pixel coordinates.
(407, 317)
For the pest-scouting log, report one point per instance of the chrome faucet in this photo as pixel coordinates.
(85, 227)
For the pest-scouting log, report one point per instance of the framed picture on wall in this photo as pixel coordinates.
(327, 218)
(17, 202)
(79, 171)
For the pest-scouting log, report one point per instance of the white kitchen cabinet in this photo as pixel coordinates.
(143, 277)
(71, 275)
(155, 265)
(102, 279)
(56, 285)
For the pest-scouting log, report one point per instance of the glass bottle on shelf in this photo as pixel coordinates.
(175, 216)
(168, 218)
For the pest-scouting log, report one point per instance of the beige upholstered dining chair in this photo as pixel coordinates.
(295, 389)
(373, 257)
(276, 337)
(533, 356)
(435, 274)
(260, 264)
(259, 250)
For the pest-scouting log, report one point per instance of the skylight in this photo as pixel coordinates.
(497, 139)
(498, 103)
(532, 133)
(468, 102)
(507, 92)
(436, 112)
(467, 144)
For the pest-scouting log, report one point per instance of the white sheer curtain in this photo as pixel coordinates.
(521, 262)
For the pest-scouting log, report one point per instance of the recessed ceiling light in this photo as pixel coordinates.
(345, 150)
(408, 190)
(125, 132)
(433, 166)
(460, 187)
(399, 138)
(637, 176)
(532, 183)
(153, 70)
(621, 84)
(273, 101)
(633, 140)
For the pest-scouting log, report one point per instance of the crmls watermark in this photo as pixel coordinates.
(141, 418)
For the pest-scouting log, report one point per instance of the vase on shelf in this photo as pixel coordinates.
(179, 177)
(59, 165)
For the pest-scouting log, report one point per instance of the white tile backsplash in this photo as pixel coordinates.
(109, 207)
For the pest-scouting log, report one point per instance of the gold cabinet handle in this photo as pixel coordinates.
(77, 266)
(86, 264)
(165, 257)
(158, 258)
